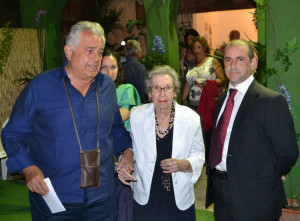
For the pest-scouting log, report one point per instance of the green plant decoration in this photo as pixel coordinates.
(26, 77)
(261, 74)
(282, 61)
(138, 25)
(157, 56)
(5, 45)
(40, 22)
(107, 16)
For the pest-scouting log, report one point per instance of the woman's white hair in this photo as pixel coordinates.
(161, 70)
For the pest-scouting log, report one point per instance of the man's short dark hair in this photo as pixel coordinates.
(241, 42)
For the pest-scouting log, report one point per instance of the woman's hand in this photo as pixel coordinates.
(202, 85)
(174, 165)
(200, 82)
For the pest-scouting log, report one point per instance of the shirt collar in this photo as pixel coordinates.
(97, 82)
(243, 87)
(63, 73)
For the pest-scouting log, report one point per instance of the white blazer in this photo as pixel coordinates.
(187, 144)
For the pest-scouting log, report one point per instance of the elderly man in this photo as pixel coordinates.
(135, 72)
(64, 113)
(253, 144)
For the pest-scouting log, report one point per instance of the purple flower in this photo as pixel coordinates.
(158, 45)
(284, 92)
(38, 16)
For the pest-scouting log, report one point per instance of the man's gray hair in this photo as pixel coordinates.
(161, 70)
(74, 35)
(241, 42)
(132, 48)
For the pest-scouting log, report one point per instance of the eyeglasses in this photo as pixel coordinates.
(157, 89)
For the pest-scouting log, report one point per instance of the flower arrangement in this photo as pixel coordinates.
(284, 92)
(157, 56)
(158, 45)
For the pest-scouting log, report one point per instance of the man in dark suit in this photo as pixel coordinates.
(258, 148)
(135, 72)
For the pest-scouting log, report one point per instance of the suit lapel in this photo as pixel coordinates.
(245, 107)
(220, 102)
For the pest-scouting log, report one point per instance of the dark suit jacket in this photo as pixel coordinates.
(135, 74)
(262, 148)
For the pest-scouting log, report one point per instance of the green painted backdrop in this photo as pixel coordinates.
(286, 18)
(161, 19)
(51, 22)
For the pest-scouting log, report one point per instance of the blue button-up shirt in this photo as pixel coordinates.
(41, 132)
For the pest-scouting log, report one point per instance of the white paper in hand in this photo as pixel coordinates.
(52, 200)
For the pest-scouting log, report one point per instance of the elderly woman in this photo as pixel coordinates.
(169, 152)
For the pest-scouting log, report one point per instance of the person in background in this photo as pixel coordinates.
(206, 68)
(187, 57)
(60, 112)
(135, 72)
(127, 97)
(121, 49)
(233, 35)
(127, 94)
(208, 74)
(169, 152)
(253, 144)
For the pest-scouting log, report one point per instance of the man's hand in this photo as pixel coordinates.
(35, 180)
(126, 167)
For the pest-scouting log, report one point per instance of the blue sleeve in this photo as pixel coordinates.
(121, 136)
(17, 134)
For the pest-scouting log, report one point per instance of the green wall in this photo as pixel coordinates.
(161, 19)
(286, 19)
(51, 22)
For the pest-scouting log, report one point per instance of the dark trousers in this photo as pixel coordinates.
(206, 138)
(125, 201)
(223, 206)
(100, 210)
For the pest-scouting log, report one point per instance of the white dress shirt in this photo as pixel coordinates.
(242, 89)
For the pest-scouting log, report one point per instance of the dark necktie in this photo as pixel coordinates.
(217, 143)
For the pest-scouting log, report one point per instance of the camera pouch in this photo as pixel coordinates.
(90, 168)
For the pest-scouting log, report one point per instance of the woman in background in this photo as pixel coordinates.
(127, 97)
(187, 57)
(207, 74)
(206, 68)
